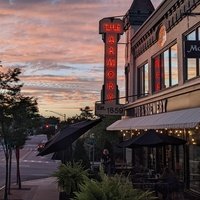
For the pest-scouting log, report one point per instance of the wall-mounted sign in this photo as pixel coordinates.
(192, 49)
(109, 109)
(162, 36)
(111, 30)
(149, 108)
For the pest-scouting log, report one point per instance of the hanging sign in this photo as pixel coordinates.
(111, 29)
(192, 49)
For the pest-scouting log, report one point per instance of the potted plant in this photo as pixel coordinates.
(69, 178)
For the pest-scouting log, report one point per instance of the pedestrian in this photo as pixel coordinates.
(106, 162)
(169, 183)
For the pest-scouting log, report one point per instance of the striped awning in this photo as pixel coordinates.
(182, 119)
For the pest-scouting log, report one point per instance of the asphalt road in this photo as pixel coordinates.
(31, 165)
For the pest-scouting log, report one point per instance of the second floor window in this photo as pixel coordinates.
(165, 69)
(143, 80)
(193, 63)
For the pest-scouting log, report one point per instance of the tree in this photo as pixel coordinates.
(9, 91)
(25, 113)
(15, 113)
(86, 113)
(104, 138)
(80, 154)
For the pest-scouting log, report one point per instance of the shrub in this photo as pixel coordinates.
(111, 188)
(70, 176)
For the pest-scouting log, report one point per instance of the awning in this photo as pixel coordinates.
(67, 136)
(188, 118)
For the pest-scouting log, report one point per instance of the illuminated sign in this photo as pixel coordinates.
(111, 29)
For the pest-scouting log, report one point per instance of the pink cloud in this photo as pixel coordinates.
(59, 39)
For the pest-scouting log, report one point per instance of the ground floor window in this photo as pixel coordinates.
(194, 159)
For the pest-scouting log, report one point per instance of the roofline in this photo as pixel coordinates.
(153, 19)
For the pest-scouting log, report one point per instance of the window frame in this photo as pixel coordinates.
(142, 93)
(195, 30)
(160, 54)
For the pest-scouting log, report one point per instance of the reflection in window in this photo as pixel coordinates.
(191, 36)
(194, 159)
(165, 69)
(198, 32)
(192, 64)
(191, 68)
(143, 82)
(174, 65)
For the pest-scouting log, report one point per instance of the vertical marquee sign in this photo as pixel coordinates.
(111, 29)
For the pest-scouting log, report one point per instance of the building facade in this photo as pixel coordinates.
(162, 73)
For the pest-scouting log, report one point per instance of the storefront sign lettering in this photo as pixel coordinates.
(151, 108)
(192, 49)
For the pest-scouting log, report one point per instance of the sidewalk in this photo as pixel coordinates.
(40, 189)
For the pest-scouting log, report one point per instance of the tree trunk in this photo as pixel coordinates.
(6, 178)
(9, 168)
(18, 169)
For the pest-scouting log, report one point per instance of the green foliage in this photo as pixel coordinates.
(70, 177)
(16, 111)
(16, 114)
(24, 113)
(91, 190)
(112, 188)
(86, 113)
(80, 154)
(103, 137)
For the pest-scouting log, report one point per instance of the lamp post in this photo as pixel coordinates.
(62, 115)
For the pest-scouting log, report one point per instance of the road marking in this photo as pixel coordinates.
(32, 161)
(37, 161)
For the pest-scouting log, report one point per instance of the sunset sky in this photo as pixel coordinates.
(57, 45)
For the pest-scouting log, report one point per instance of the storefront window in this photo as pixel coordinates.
(165, 69)
(193, 63)
(194, 140)
(143, 80)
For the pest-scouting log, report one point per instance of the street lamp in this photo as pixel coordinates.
(62, 115)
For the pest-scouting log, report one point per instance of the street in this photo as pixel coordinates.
(31, 165)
